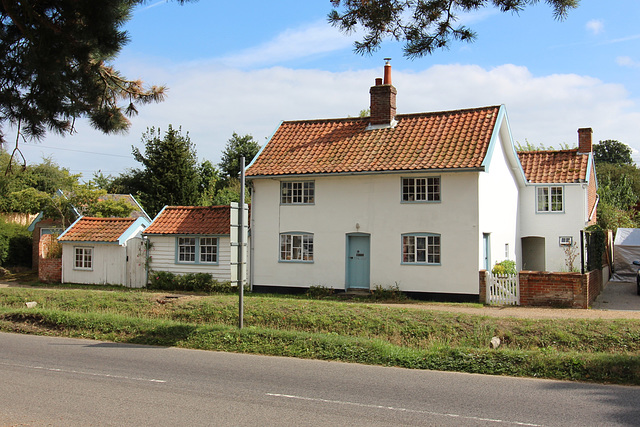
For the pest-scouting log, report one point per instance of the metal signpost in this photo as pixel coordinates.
(239, 237)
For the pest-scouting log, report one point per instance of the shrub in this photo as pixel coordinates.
(319, 292)
(163, 280)
(190, 282)
(392, 293)
(505, 267)
(15, 245)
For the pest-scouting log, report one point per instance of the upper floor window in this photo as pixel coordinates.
(83, 259)
(550, 199)
(297, 192)
(421, 189)
(197, 250)
(421, 248)
(296, 247)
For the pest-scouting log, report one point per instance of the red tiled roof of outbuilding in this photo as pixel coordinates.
(442, 140)
(89, 229)
(561, 166)
(191, 220)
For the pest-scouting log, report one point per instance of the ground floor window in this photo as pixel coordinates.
(83, 258)
(421, 248)
(197, 250)
(296, 247)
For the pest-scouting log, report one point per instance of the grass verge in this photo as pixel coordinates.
(600, 351)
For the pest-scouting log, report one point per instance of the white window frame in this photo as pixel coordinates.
(421, 249)
(422, 189)
(297, 192)
(547, 199)
(296, 247)
(196, 249)
(85, 261)
(565, 240)
(208, 248)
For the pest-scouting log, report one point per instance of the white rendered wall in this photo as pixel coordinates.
(552, 225)
(163, 258)
(109, 264)
(499, 204)
(369, 204)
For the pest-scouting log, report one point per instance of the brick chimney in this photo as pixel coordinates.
(585, 143)
(383, 100)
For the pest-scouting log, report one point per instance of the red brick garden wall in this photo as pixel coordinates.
(543, 288)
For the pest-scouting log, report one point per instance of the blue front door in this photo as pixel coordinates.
(358, 262)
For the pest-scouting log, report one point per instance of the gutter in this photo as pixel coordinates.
(400, 171)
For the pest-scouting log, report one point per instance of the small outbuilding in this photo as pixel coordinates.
(626, 249)
(104, 251)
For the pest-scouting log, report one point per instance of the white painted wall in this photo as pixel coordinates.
(552, 225)
(499, 204)
(109, 264)
(372, 202)
(163, 258)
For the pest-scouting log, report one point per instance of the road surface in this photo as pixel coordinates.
(72, 382)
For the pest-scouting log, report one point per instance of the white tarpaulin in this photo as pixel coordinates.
(626, 249)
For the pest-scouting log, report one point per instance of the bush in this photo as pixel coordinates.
(190, 282)
(392, 293)
(15, 245)
(319, 292)
(506, 267)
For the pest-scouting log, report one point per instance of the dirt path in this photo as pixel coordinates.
(526, 312)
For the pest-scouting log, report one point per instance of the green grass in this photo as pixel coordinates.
(586, 350)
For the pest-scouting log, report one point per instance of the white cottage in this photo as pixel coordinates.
(104, 251)
(190, 239)
(421, 201)
(558, 201)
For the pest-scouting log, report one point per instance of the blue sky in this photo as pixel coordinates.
(243, 69)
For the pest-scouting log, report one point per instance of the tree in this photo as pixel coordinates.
(423, 25)
(170, 175)
(54, 67)
(612, 151)
(237, 147)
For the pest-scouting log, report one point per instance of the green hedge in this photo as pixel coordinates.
(192, 282)
(15, 245)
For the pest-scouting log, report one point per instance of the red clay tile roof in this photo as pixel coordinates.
(191, 220)
(88, 229)
(442, 140)
(563, 166)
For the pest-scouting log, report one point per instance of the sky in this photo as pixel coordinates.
(246, 66)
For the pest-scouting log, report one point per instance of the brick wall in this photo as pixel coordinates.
(49, 269)
(483, 286)
(543, 288)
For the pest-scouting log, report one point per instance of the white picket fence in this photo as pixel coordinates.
(503, 289)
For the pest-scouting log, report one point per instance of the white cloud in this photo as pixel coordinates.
(316, 38)
(626, 61)
(595, 26)
(211, 103)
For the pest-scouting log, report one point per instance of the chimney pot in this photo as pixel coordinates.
(378, 81)
(387, 71)
(585, 143)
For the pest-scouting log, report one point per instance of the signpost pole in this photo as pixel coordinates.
(241, 248)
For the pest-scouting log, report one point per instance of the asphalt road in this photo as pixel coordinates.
(70, 382)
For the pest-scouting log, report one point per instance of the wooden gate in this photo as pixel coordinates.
(503, 289)
(136, 263)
